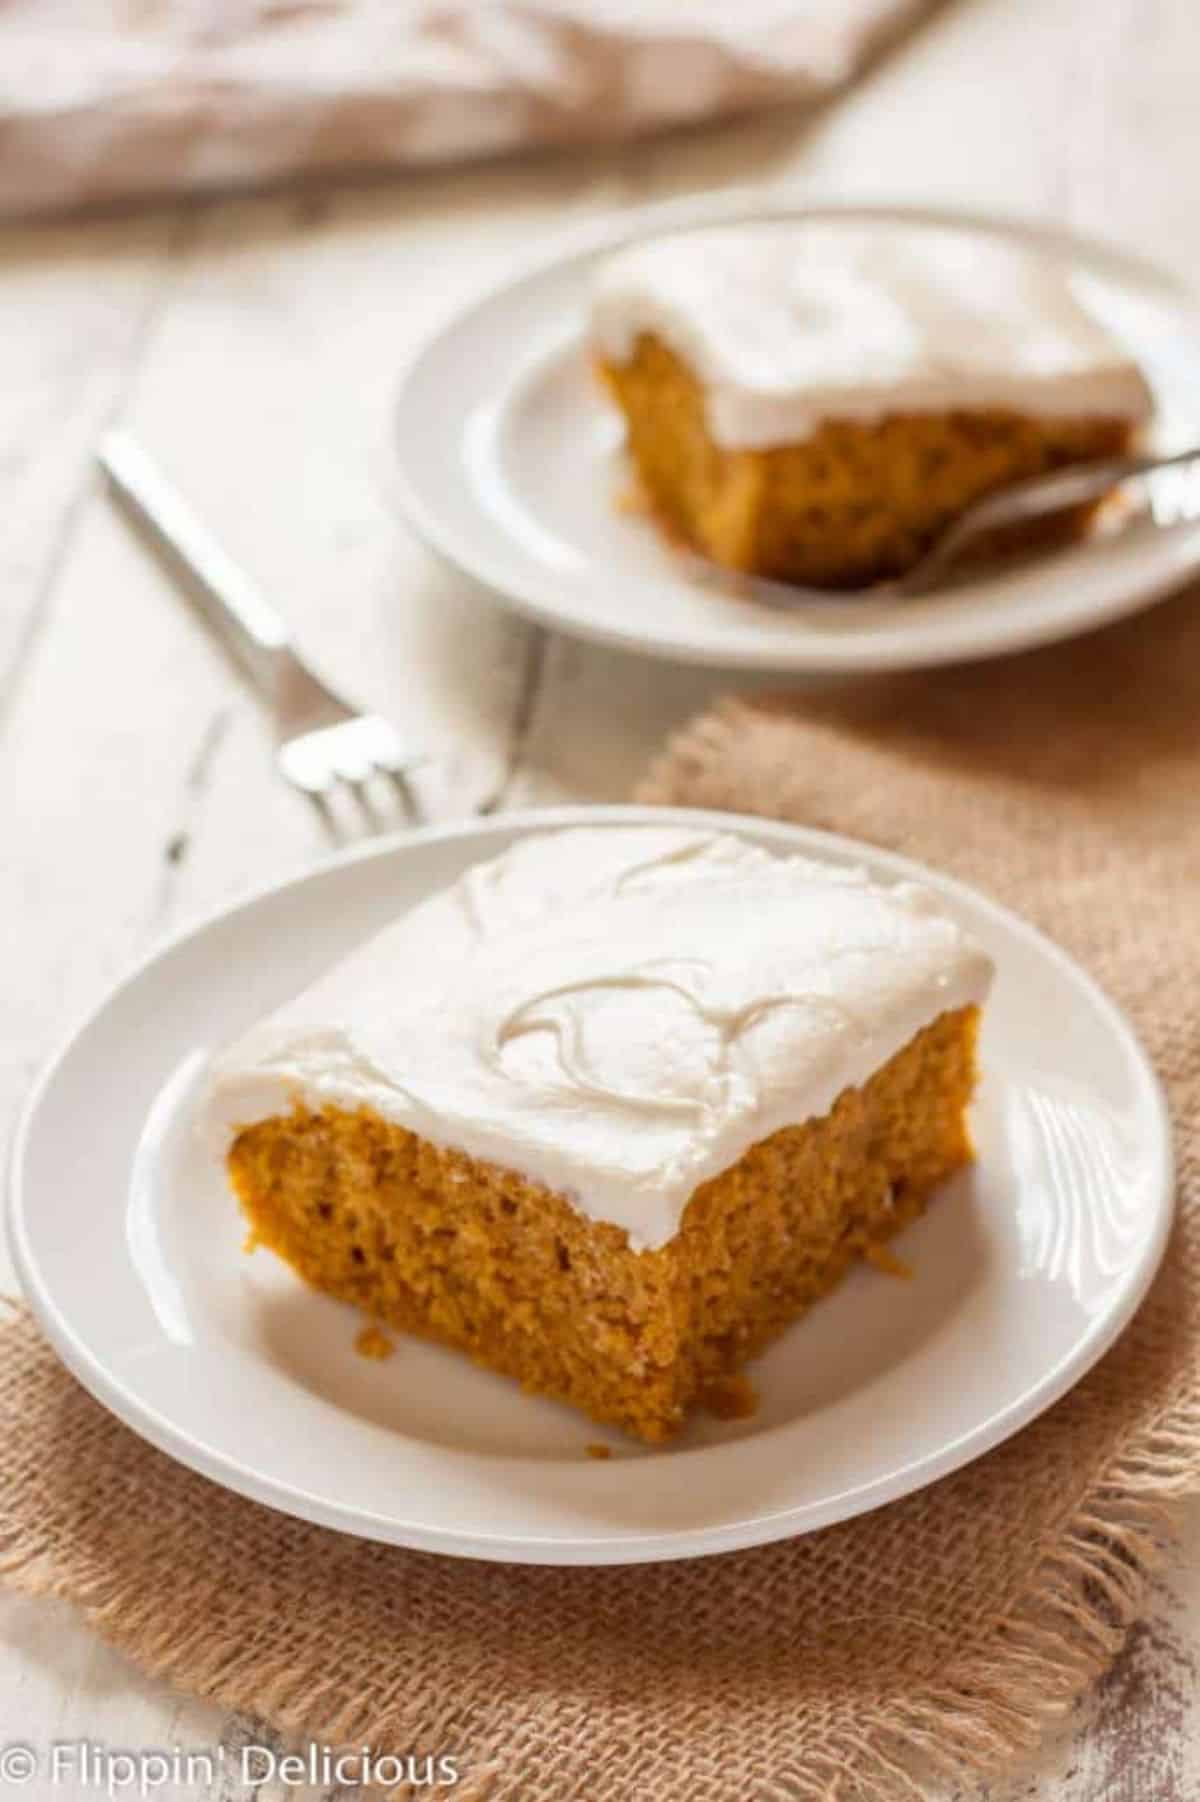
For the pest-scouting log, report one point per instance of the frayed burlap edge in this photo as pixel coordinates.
(990, 1708)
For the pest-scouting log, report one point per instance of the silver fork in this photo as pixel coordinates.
(1173, 497)
(322, 740)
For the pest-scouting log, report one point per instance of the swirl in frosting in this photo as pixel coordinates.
(616, 1012)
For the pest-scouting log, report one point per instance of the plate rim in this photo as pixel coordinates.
(746, 203)
(218, 1466)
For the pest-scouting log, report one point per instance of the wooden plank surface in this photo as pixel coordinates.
(252, 344)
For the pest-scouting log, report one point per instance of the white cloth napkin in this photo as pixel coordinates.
(129, 97)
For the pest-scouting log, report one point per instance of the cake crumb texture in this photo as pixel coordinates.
(885, 1259)
(372, 1342)
(730, 1398)
(430, 1241)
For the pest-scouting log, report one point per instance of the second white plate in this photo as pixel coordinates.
(129, 1247)
(510, 466)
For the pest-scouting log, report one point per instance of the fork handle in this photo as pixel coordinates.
(246, 623)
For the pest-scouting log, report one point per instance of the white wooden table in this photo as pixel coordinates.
(252, 344)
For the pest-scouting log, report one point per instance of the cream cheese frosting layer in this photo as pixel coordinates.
(617, 1013)
(789, 325)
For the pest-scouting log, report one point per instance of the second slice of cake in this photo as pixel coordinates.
(817, 401)
(612, 1110)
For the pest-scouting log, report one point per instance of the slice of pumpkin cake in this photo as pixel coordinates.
(612, 1110)
(817, 402)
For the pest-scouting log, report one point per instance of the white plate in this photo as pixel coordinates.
(130, 1251)
(510, 466)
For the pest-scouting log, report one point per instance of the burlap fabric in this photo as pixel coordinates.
(936, 1636)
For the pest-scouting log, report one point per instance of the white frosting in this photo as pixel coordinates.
(789, 325)
(616, 1012)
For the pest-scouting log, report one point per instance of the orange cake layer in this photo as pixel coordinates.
(459, 1250)
(855, 501)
